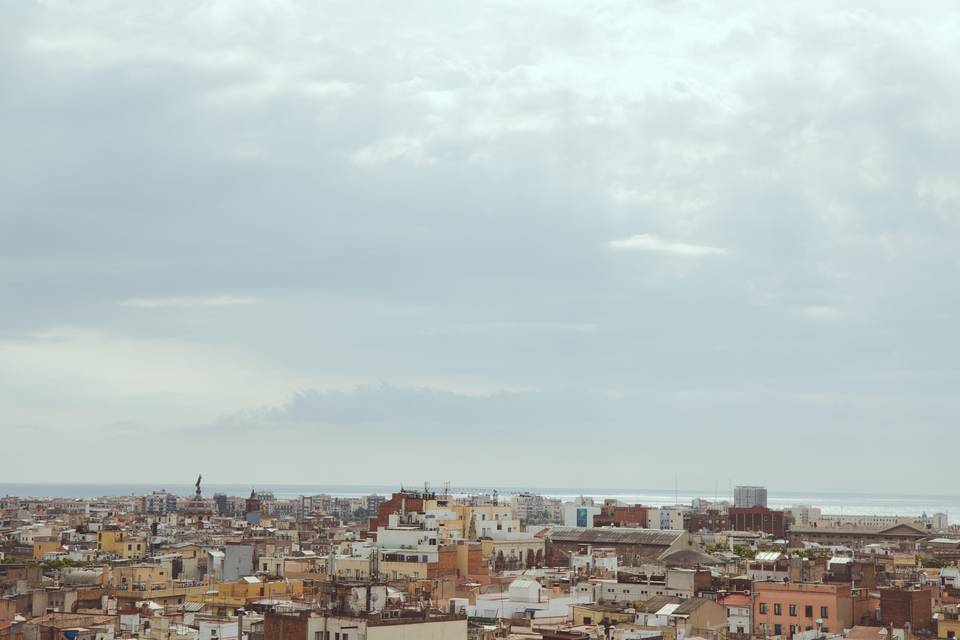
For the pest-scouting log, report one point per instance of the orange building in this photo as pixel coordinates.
(784, 608)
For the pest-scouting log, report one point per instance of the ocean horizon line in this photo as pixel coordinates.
(462, 488)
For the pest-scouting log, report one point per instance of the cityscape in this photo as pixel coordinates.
(479, 319)
(425, 562)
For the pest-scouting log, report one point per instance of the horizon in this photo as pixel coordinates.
(463, 489)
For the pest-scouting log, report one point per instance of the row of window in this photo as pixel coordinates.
(325, 635)
(807, 610)
(778, 629)
(627, 591)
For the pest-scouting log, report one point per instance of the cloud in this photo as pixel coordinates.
(212, 301)
(386, 408)
(391, 149)
(434, 205)
(655, 244)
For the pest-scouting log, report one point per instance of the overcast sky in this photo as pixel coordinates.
(504, 243)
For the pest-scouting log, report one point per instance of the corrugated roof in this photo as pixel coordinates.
(668, 609)
(898, 529)
(690, 605)
(768, 556)
(656, 603)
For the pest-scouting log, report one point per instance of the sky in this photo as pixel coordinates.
(609, 244)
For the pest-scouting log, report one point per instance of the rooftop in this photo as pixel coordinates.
(615, 535)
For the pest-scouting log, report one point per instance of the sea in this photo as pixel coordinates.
(829, 502)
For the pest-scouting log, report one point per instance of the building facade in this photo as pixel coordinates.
(745, 497)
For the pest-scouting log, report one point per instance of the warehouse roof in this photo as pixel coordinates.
(615, 535)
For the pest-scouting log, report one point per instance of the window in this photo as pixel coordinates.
(793, 610)
(824, 613)
(318, 635)
(808, 611)
(778, 629)
(763, 607)
(777, 610)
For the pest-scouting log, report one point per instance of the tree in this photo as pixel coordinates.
(932, 563)
(744, 551)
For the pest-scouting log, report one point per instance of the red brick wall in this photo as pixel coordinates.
(898, 607)
(394, 505)
(757, 519)
(285, 627)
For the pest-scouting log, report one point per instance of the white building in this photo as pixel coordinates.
(664, 518)
(384, 627)
(407, 545)
(804, 515)
(502, 527)
(590, 561)
(531, 506)
(237, 561)
(580, 512)
(525, 597)
(217, 630)
(739, 610)
(950, 577)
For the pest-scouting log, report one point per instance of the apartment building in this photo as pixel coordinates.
(784, 609)
(160, 503)
(745, 497)
(758, 518)
(383, 625)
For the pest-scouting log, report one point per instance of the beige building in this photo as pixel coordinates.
(352, 568)
(387, 625)
(141, 577)
(513, 553)
(116, 542)
(44, 545)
